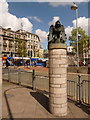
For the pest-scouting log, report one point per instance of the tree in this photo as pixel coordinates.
(21, 47)
(82, 41)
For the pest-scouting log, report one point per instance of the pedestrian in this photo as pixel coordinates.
(7, 63)
(27, 63)
(35, 63)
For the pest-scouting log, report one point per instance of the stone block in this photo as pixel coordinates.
(59, 71)
(64, 104)
(63, 55)
(55, 85)
(57, 90)
(58, 51)
(60, 111)
(55, 76)
(61, 95)
(59, 61)
(63, 85)
(56, 62)
(65, 66)
(64, 114)
(60, 100)
(59, 80)
(56, 105)
(54, 65)
(54, 56)
(64, 75)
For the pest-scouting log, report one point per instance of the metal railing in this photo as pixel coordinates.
(79, 90)
(18, 76)
(78, 86)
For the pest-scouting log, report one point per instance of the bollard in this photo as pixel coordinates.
(80, 91)
(33, 80)
(19, 73)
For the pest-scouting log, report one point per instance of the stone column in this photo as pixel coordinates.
(58, 79)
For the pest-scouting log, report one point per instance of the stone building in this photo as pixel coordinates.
(9, 42)
(41, 53)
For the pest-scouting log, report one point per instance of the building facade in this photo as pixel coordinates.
(11, 43)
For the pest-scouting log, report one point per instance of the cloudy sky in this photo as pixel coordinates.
(36, 17)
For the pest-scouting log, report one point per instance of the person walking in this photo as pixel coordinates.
(7, 63)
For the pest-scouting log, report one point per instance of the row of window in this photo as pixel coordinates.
(21, 36)
(32, 36)
(15, 35)
(11, 45)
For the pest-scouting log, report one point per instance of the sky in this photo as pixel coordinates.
(36, 17)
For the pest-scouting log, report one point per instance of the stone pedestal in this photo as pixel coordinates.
(58, 79)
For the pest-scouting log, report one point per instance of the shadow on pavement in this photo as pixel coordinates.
(42, 99)
(85, 108)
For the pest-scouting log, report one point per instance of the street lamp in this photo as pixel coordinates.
(14, 44)
(75, 7)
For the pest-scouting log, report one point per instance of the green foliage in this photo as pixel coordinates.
(82, 40)
(21, 47)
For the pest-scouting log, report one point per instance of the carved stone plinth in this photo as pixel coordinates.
(58, 79)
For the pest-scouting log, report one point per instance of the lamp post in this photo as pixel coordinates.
(22, 44)
(14, 44)
(75, 7)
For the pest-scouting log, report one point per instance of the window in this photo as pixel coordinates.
(9, 49)
(4, 48)
(37, 38)
(29, 36)
(4, 33)
(4, 43)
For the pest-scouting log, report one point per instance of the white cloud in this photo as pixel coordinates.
(55, 18)
(68, 31)
(35, 18)
(56, 4)
(3, 6)
(43, 37)
(82, 22)
(41, 34)
(8, 20)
